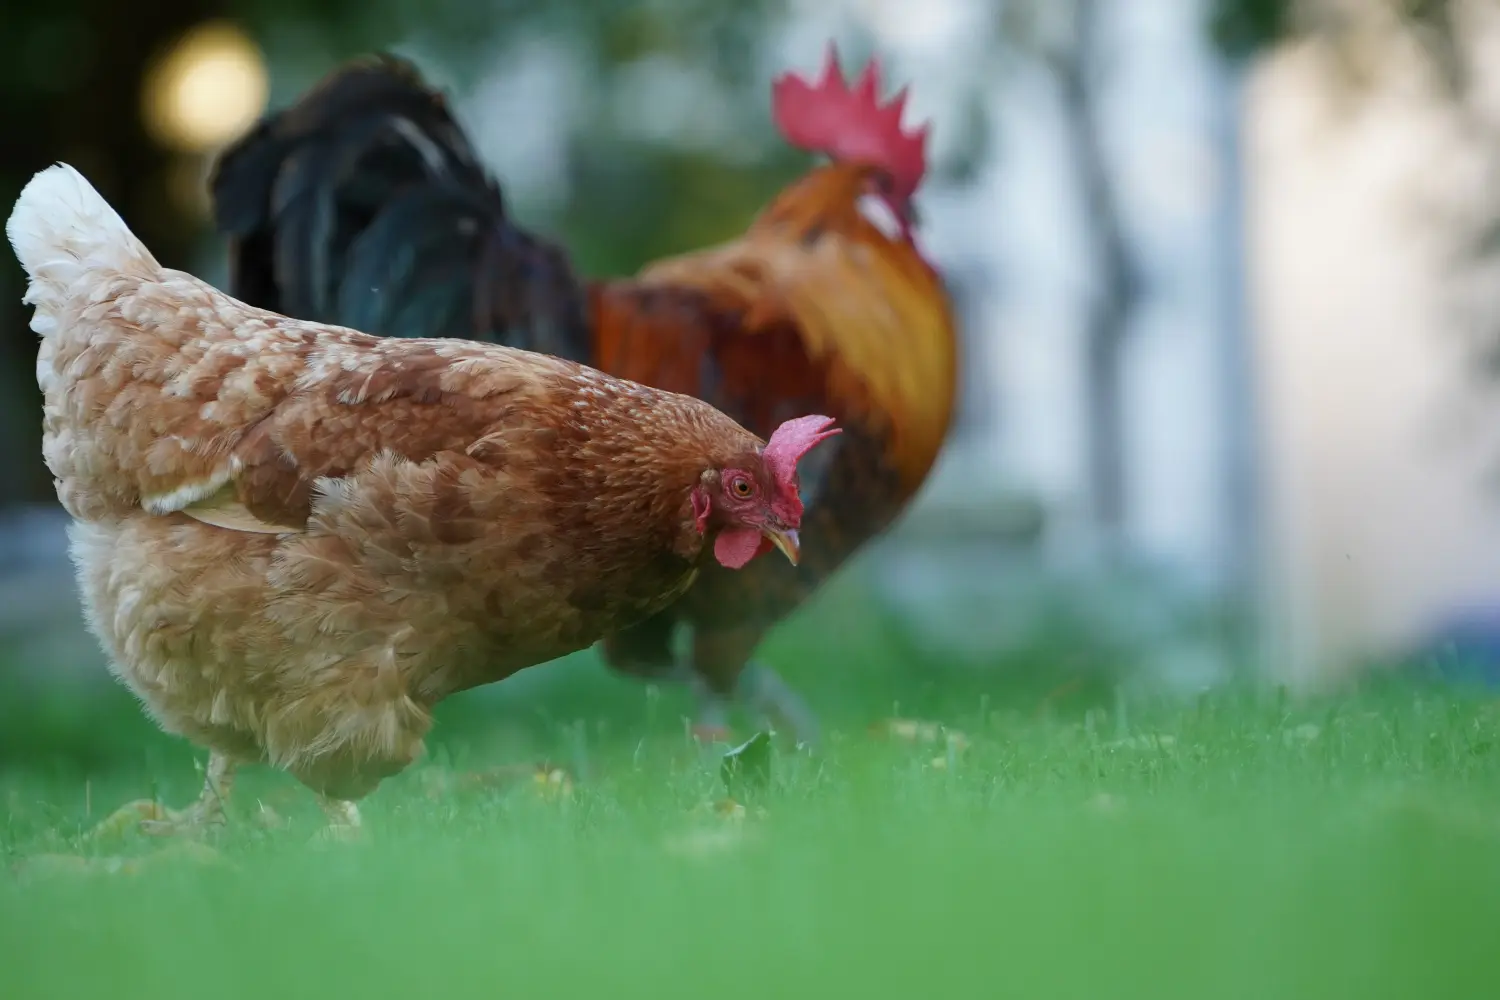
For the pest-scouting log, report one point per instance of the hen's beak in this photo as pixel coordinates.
(787, 541)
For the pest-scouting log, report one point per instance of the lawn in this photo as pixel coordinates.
(1237, 846)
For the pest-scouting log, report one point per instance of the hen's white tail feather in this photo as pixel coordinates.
(64, 233)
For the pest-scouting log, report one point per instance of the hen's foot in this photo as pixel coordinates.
(155, 819)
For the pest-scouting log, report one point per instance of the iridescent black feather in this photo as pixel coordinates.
(364, 205)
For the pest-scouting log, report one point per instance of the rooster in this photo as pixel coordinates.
(293, 539)
(365, 204)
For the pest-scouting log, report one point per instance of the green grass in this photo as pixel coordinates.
(1237, 847)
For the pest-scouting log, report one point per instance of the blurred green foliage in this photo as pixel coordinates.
(1236, 847)
(1241, 28)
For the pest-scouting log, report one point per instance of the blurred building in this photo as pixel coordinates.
(1382, 516)
(1019, 238)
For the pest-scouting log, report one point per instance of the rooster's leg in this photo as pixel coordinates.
(763, 690)
(644, 651)
(711, 711)
(153, 818)
(722, 670)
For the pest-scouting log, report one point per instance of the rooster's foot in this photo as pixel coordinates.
(763, 691)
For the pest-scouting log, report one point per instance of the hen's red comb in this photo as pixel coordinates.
(851, 124)
(791, 441)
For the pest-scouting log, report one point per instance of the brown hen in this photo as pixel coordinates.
(293, 540)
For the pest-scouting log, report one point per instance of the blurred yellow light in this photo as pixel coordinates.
(207, 90)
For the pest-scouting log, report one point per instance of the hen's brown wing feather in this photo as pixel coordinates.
(410, 399)
(182, 399)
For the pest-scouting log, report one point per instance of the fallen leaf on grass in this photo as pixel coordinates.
(553, 782)
(748, 766)
(549, 780)
(728, 810)
(911, 730)
(920, 731)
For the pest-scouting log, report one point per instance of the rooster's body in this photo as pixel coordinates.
(364, 204)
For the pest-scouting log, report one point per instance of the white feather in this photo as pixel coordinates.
(63, 231)
(880, 215)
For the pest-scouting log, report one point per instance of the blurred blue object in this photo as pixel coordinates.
(1463, 649)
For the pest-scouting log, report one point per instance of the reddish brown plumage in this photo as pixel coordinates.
(294, 539)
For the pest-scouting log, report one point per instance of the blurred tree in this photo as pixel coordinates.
(1242, 28)
(634, 191)
(1449, 42)
(1066, 38)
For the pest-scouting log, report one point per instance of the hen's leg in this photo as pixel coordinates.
(153, 818)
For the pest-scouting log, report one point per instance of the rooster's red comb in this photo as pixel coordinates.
(791, 441)
(851, 124)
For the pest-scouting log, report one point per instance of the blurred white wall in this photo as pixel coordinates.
(1377, 518)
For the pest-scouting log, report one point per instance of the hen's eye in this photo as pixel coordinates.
(741, 487)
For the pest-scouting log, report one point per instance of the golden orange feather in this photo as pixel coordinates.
(814, 301)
